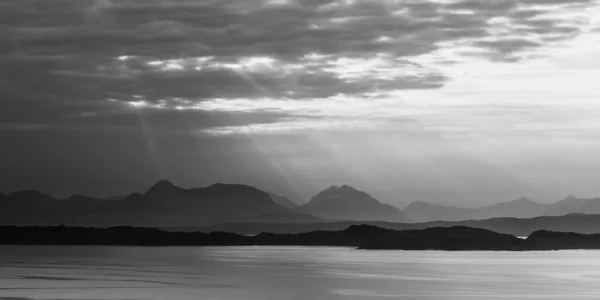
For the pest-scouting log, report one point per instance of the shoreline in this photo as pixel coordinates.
(361, 237)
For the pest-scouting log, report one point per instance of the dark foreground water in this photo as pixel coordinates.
(280, 273)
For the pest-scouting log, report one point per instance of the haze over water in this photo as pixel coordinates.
(58, 272)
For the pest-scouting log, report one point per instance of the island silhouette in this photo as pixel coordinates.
(458, 238)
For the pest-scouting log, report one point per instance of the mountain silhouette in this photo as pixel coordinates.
(579, 223)
(27, 200)
(348, 203)
(163, 204)
(572, 204)
(520, 208)
(284, 201)
(164, 187)
(166, 205)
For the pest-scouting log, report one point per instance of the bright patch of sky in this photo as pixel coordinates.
(550, 89)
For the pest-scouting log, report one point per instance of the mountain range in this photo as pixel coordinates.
(163, 204)
(578, 223)
(167, 205)
(520, 208)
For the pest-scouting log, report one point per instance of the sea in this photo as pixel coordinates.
(281, 273)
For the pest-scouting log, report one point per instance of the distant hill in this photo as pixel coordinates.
(571, 205)
(520, 208)
(425, 212)
(163, 204)
(348, 203)
(579, 223)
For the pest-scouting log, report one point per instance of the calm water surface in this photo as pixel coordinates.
(280, 273)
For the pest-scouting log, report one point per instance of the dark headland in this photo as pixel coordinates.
(457, 238)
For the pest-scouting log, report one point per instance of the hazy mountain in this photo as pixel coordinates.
(571, 204)
(520, 208)
(347, 203)
(163, 204)
(592, 206)
(26, 201)
(424, 212)
(580, 223)
(284, 201)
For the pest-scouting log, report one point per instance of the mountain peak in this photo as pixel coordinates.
(524, 199)
(419, 203)
(233, 187)
(347, 188)
(570, 198)
(332, 188)
(347, 203)
(344, 191)
(164, 183)
(338, 189)
(163, 186)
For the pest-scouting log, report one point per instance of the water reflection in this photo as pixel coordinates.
(281, 273)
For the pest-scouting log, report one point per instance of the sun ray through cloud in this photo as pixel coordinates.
(410, 78)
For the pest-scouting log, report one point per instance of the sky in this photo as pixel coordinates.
(453, 102)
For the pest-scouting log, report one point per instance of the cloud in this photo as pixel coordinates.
(69, 58)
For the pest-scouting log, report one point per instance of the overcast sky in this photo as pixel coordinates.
(456, 102)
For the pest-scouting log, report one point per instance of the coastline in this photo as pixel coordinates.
(363, 237)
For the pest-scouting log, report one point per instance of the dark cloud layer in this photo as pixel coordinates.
(62, 58)
(73, 71)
